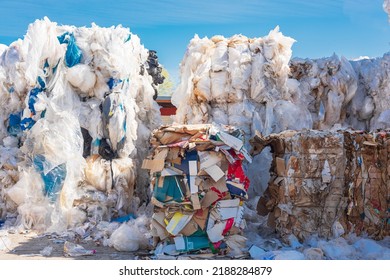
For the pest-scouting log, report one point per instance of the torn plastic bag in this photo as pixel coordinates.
(87, 142)
(76, 250)
(105, 150)
(114, 121)
(53, 180)
(73, 53)
(131, 236)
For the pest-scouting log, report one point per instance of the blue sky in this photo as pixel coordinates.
(351, 28)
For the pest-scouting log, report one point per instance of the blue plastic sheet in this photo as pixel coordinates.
(27, 123)
(53, 180)
(33, 98)
(14, 121)
(73, 54)
(113, 82)
(124, 218)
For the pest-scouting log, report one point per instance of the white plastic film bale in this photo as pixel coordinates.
(219, 59)
(291, 116)
(219, 86)
(82, 77)
(98, 173)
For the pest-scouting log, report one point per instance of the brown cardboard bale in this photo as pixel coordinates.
(329, 177)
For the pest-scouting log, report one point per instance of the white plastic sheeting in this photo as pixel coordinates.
(66, 92)
(344, 94)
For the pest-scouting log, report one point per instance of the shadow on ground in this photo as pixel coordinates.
(26, 247)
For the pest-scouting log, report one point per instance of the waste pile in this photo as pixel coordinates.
(198, 187)
(253, 84)
(237, 81)
(77, 113)
(341, 93)
(327, 183)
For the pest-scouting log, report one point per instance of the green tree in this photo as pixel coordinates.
(167, 87)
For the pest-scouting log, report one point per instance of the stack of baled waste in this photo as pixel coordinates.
(198, 188)
(77, 113)
(327, 183)
(239, 81)
(253, 84)
(242, 82)
(325, 87)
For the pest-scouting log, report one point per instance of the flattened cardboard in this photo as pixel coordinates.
(154, 165)
(236, 189)
(228, 203)
(209, 199)
(215, 233)
(159, 217)
(159, 225)
(231, 141)
(177, 223)
(215, 172)
(157, 203)
(190, 228)
(173, 153)
(221, 185)
(193, 167)
(228, 156)
(280, 166)
(208, 159)
(160, 230)
(195, 201)
(227, 212)
(171, 171)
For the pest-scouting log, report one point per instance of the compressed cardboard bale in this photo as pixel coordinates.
(326, 183)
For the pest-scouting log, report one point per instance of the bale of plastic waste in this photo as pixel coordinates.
(226, 80)
(199, 187)
(77, 114)
(326, 183)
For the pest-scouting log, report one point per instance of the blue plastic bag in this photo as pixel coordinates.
(73, 54)
(53, 180)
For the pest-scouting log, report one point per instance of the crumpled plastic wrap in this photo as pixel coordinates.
(326, 183)
(77, 112)
(326, 86)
